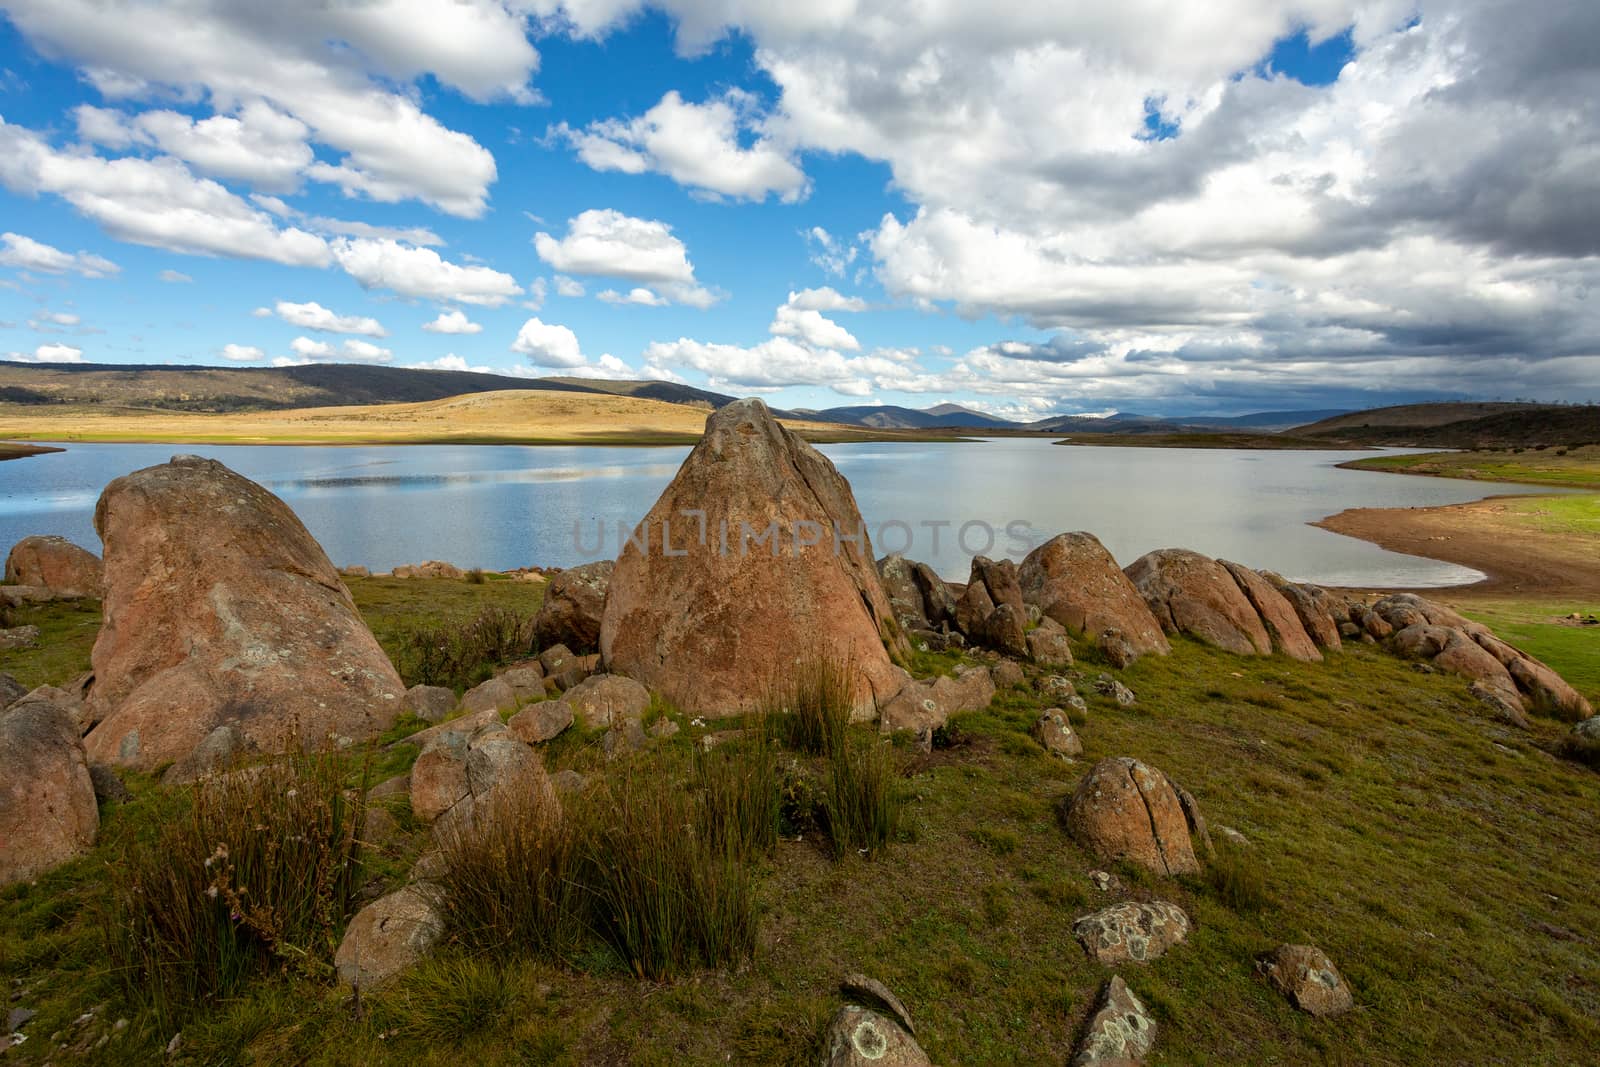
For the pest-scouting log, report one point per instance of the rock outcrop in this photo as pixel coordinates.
(1193, 594)
(220, 607)
(1072, 579)
(754, 559)
(47, 804)
(56, 565)
(1277, 614)
(1124, 809)
(458, 774)
(574, 601)
(1315, 608)
(924, 705)
(387, 937)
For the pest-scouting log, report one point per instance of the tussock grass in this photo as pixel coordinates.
(462, 655)
(811, 704)
(256, 876)
(860, 809)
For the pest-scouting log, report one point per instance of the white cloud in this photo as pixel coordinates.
(696, 145)
(826, 298)
(813, 328)
(566, 286)
(174, 277)
(285, 361)
(55, 318)
(610, 244)
(152, 202)
(260, 145)
(306, 348)
(50, 353)
(451, 362)
(366, 351)
(420, 272)
(452, 322)
(262, 313)
(833, 254)
(313, 316)
(637, 295)
(332, 67)
(25, 253)
(548, 345)
(242, 353)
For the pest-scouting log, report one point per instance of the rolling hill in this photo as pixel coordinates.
(1495, 425)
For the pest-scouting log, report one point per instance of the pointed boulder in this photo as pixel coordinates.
(1072, 579)
(753, 560)
(220, 607)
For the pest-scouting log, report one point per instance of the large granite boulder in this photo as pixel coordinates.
(1072, 579)
(1193, 594)
(783, 573)
(1277, 614)
(220, 607)
(899, 577)
(1319, 612)
(47, 804)
(1124, 809)
(54, 564)
(388, 937)
(573, 603)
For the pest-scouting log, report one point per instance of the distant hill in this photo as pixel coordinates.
(891, 417)
(224, 389)
(1487, 425)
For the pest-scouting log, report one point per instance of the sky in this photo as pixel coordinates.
(1032, 209)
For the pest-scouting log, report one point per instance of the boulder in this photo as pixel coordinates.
(1072, 579)
(1124, 809)
(1314, 608)
(1048, 645)
(355, 571)
(1108, 686)
(458, 777)
(556, 658)
(1547, 692)
(860, 1037)
(56, 565)
(712, 621)
(1420, 641)
(1583, 743)
(495, 694)
(16, 638)
(938, 602)
(925, 705)
(430, 703)
(973, 609)
(1192, 594)
(999, 577)
(221, 751)
(1115, 648)
(1120, 1033)
(59, 698)
(871, 993)
(603, 700)
(1507, 707)
(1305, 975)
(899, 578)
(219, 606)
(1277, 614)
(11, 690)
(573, 603)
(1007, 673)
(1005, 631)
(1131, 932)
(47, 804)
(387, 937)
(538, 723)
(439, 776)
(1055, 734)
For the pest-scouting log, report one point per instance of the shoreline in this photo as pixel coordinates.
(1489, 535)
(19, 450)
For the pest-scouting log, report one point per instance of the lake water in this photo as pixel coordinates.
(500, 507)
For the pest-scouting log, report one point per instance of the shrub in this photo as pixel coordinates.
(462, 655)
(812, 704)
(860, 809)
(255, 875)
(476, 576)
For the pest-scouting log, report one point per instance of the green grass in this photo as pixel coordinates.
(67, 629)
(1574, 651)
(1577, 468)
(1433, 853)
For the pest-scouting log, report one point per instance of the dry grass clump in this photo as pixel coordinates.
(811, 704)
(256, 875)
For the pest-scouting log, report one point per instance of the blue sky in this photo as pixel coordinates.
(1026, 211)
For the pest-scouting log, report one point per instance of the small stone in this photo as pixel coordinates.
(1006, 674)
(540, 722)
(873, 993)
(1121, 1032)
(1105, 881)
(663, 728)
(17, 1018)
(1056, 735)
(860, 1037)
(1109, 686)
(430, 703)
(1056, 687)
(1305, 975)
(1131, 932)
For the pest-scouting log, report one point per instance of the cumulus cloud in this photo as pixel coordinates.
(242, 353)
(813, 328)
(313, 316)
(696, 145)
(49, 353)
(421, 272)
(825, 298)
(306, 348)
(452, 322)
(25, 253)
(366, 352)
(569, 287)
(259, 145)
(610, 244)
(548, 344)
(637, 295)
(332, 68)
(451, 362)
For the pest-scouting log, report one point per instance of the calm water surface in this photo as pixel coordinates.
(499, 507)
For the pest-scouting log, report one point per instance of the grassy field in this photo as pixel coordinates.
(1577, 468)
(525, 417)
(1444, 861)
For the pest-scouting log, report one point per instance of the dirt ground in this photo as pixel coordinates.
(1487, 535)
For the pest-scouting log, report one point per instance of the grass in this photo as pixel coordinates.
(861, 807)
(1577, 467)
(460, 654)
(1435, 854)
(811, 703)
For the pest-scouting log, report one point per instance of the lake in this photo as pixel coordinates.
(500, 507)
